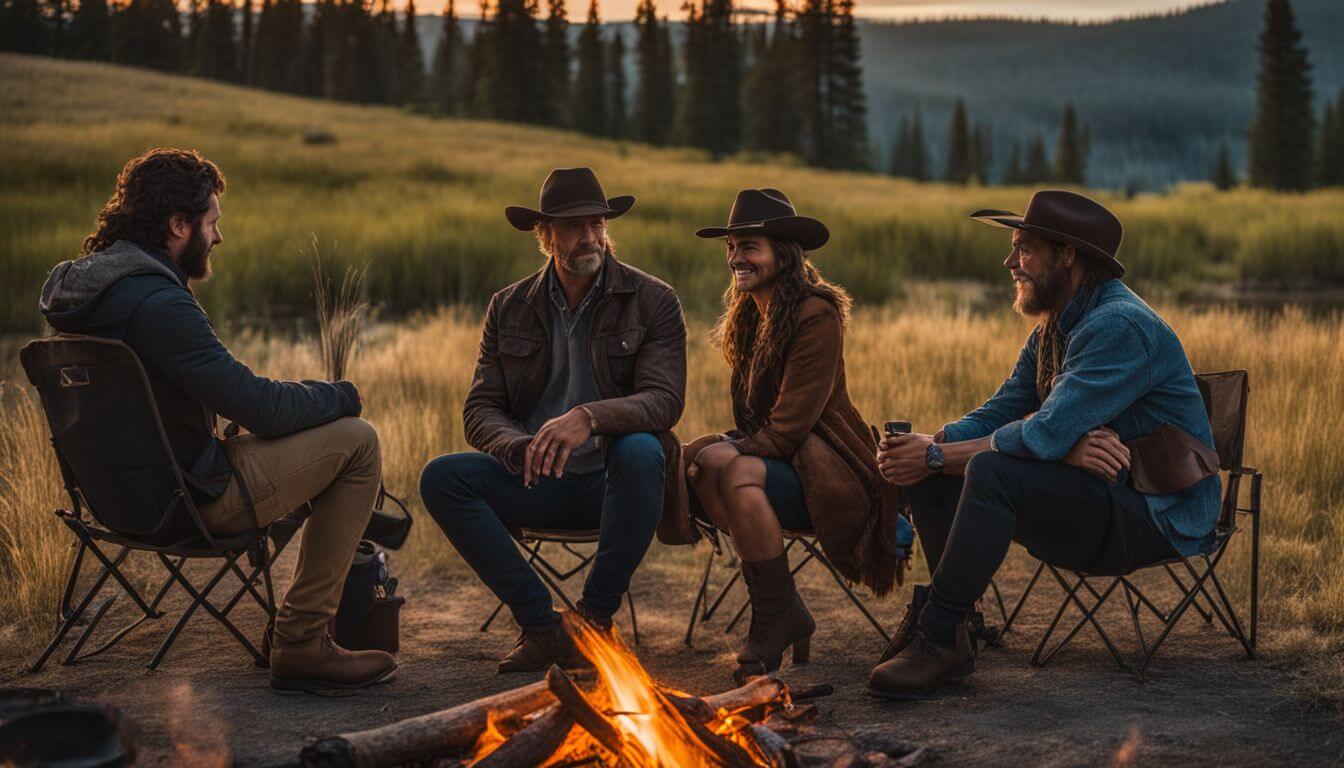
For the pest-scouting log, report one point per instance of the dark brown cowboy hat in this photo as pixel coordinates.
(567, 193)
(769, 212)
(1066, 217)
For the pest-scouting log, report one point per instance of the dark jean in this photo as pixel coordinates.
(475, 500)
(785, 492)
(1063, 515)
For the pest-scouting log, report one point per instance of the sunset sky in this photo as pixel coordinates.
(1084, 10)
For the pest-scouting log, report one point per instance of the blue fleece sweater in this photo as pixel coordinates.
(1123, 368)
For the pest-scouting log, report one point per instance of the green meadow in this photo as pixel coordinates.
(420, 200)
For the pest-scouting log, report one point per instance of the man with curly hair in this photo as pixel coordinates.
(305, 442)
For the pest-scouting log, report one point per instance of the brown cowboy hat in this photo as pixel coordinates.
(567, 193)
(769, 212)
(1066, 217)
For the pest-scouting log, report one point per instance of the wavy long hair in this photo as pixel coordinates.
(150, 189)
(754, 345)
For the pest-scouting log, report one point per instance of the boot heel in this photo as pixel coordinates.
(802, 650)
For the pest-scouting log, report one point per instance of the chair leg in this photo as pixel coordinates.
(814, 550)
(634, 622)
(72, 616)
(1089, 616)
(1021, 600)
(121, 633)
(200, 600)
(701, 598)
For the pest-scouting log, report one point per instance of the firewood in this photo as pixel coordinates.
(534, 744)
(437, 734)
(811, 692)
(729, 754)
(584, 713)
(755, 700)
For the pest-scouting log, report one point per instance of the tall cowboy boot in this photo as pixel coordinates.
(779, 619)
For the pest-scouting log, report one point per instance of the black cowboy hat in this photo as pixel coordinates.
(1066, 217)
(769, 212)
(566, 193)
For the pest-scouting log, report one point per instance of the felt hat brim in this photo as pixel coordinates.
(525, 218)
(1010, 220)
(806, 231)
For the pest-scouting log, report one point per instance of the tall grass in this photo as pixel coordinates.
(928, 362)
(421, 201)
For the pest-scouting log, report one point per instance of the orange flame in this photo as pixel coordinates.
(1129, 749)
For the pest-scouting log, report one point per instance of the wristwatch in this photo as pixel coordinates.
(933, 457)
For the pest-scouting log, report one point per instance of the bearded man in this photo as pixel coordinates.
(581, 376)
(305, 443)
(1044, 462)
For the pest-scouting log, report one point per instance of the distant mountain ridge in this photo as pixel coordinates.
(1159, 92)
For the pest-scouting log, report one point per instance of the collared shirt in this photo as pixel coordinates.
(1124, 368)
(571, 382)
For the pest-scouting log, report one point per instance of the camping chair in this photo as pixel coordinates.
(530, 540)
(127, 491)
(703, 608)
(1226, 396)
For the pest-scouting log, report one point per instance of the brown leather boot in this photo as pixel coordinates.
(779, 619)
(536, 651)
(923, 666)
(323, 667)
(905, 631)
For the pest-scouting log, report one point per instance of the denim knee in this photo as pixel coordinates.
(638, 452)
(452, 477)
(991, 474)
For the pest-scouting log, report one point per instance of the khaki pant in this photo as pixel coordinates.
(337, 468)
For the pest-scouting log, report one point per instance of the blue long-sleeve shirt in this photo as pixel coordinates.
(1123, 368)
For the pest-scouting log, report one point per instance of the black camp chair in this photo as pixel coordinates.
(127, 491)
(703, 609)
(531, 540)
(1226, 395)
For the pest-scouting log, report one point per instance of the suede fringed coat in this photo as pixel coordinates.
(802, 414)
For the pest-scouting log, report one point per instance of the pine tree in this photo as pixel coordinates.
(448, 63)
(655, 94)
(618, 117)
(512, 80)
(1222, 175)
(1281, 136)
(590, 87)
(771, 120)
(1012, 170)
(556, 53)
(411, 60)
(919, 156)
(1038, 164)
(147, 33)
(245, 43)
(215, 49)
(710, 114)
(848, 147)
(470, 93)
(89, 30)
(1331, 158)
(1070, 157)
(959, 146)
(23, 29)
(981, 154)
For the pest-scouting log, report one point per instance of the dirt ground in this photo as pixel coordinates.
(1203, 702)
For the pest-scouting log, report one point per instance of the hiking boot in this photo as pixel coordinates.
(905, 631)
(323, 667)
(923, 666)
(779, 619)
(538, 650)
(598, 621)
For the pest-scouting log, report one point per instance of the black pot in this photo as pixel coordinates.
(66, 736)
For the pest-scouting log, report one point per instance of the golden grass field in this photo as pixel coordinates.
(420, 200)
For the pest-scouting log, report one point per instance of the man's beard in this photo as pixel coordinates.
(584, 263)
(1045, 293)
(195, 258)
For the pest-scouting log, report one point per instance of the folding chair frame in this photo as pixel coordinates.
(703, 609)
(530, 541)
(258, 548)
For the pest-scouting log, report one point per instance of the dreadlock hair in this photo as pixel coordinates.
(754, 345)
(1050, 343)
(150, 189)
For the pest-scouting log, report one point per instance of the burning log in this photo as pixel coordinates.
(534, 744)
(437, 734)
(584, 713)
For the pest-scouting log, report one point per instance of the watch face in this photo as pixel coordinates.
(933, 457)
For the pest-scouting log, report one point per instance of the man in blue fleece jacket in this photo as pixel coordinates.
(1044, 462)
(307, 443)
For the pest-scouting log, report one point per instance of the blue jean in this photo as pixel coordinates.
(785, 491)
(475, 500)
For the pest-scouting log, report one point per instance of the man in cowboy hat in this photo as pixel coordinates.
(580, 378)
(1044, 462)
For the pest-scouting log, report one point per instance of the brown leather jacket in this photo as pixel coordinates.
(813, 425)
(637, 347)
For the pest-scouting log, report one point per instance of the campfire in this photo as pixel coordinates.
(613, 715)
